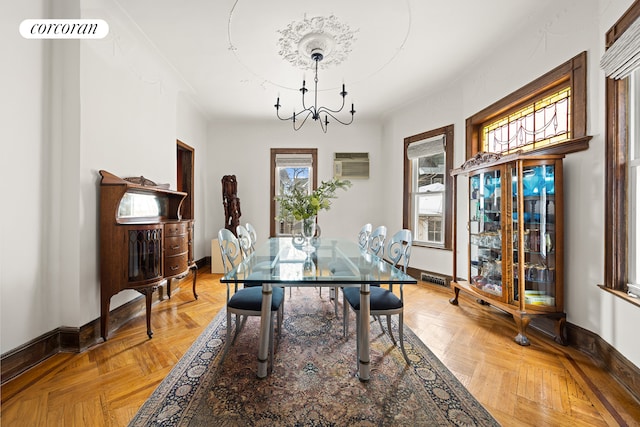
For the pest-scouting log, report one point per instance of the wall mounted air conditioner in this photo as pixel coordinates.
(351, 165)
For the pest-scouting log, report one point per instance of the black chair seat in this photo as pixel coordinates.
(379, 298)
(251, 299)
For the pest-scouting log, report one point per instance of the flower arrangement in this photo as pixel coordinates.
(300, 205)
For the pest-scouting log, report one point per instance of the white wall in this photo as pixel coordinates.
(544, 43)
(80, 107)
(26, 292)
(243, 149)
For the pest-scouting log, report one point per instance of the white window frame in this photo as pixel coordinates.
(416, 151)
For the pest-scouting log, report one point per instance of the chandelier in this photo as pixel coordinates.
(320, 114)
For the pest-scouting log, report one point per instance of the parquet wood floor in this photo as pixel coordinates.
(544, 384)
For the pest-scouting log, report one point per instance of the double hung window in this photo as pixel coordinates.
(428, 159)
(289, 168)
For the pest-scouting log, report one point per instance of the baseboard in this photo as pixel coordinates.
(74, 340)
(625, 372)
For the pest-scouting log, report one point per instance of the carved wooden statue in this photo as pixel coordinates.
(231, 203)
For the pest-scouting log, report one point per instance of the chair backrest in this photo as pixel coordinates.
(399, 249)
(244, 239)
(376, 241)
(363, 236)
(229, 249)
(252, 234)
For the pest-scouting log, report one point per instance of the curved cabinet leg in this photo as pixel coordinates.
(148, 293)
(454, 300)
(560, 331)
(194, 271)
(104, 317)
(522, 321)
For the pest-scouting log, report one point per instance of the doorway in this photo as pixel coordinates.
(185, 156)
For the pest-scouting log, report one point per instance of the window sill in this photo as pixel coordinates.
(567, 147)
(620, 294)
(430, 246)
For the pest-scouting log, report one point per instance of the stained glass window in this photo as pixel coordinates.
(544, 122)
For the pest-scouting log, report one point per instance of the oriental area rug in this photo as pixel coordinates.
(313, 382)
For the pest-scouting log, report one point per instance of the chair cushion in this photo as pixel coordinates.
(251, 299)
(380, 298)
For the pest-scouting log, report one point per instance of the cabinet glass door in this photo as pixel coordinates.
(485, 232)
(538, 183)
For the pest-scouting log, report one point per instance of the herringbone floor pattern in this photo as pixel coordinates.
(544, 384)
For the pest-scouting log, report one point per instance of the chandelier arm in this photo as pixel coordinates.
(337, 119)
(303, 120)
(307, 110)
(325, 109)
(324, 125)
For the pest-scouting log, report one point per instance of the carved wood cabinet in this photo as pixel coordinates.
(515, 237)
(143, 241)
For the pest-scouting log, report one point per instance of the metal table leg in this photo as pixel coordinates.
(265, 327)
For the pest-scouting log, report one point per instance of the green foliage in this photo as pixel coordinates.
(299, 205)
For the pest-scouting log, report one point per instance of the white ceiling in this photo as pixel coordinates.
(226, 51)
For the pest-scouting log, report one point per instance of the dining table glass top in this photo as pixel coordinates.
(285, 260)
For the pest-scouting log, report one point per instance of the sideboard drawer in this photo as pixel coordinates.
(175, 245)
(175, 228)
(175, 265)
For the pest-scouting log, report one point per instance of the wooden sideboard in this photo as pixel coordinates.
(144, 243)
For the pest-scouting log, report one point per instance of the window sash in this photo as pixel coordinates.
(428, 204)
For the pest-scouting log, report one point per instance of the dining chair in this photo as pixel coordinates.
(363, 242)
(252, 234)
(246, 301)
(376, 241)
(363, 235)
(244, 238)
(383, 301)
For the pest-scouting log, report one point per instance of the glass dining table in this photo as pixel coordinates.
(326, 262)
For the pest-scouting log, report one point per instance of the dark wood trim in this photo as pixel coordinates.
(272, 202)
(449, 195)
(18, 360)
(573, 71)
(622, 24)
(185, 172)
(73, 340)
(616, 147)
(606, 356)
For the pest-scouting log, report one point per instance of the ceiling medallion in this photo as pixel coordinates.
(301, 38)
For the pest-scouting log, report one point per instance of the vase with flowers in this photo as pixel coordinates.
(300, 205)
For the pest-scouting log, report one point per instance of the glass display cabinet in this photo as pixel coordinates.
(515, 244)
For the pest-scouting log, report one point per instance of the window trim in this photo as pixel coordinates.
(448, 196)
(573, 71)
(616, 226)
(314, 182)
